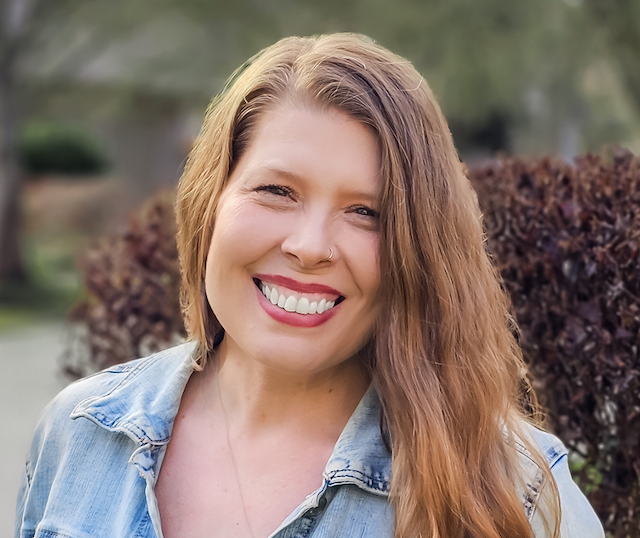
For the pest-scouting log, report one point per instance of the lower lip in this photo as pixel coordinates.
(291, 318)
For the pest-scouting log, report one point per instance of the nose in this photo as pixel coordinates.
(310, 243)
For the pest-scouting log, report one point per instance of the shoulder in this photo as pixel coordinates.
(94, 427)
(550, 447)
(108, 397)
(91, 386)
(578, 519)
(135, 375)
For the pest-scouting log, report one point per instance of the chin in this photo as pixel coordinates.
(298, 361)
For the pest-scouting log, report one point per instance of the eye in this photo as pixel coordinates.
(365, 211)
(278, 190)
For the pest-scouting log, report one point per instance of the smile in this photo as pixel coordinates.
(299, 305)
(305, 300)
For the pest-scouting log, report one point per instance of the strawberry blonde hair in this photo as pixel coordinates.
(444, 358)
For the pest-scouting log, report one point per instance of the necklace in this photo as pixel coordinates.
(233, 459)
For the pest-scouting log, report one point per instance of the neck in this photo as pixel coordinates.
(258, 398)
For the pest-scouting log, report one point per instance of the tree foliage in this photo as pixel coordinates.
(50, 148)
(480, 57)
(620, 20)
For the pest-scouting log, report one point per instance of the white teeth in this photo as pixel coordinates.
(303, 306)
(291, 304)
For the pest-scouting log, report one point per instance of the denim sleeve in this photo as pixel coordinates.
(48, 446)
(578, 519)
(32, 498)
(22, 497)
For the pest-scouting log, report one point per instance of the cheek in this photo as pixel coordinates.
(243, 232)
(374, 265)
(364, 260)
(242, 235)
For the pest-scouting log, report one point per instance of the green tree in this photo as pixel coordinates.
(16, 18)
(619, 20)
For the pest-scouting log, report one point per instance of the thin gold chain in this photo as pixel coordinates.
(233, 459)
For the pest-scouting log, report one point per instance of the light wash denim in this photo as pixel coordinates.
(97, 451)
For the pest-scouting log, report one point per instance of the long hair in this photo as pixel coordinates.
(445, 362)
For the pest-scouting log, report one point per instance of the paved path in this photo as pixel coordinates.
(29, 378)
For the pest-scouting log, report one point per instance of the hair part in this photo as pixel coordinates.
(445, 362)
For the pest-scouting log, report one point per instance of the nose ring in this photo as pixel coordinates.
(330, 256)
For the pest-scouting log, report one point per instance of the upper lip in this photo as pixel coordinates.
(302, 287)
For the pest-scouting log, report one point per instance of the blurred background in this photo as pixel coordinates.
(101, 101)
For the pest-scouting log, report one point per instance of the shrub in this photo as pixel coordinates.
(131, 305)
(51, 148)
(567, 242)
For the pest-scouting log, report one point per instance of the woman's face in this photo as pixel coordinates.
(306, 186)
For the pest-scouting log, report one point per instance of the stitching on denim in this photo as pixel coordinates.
(101, 418)
(144, 363)
(523, 450)
(381, 484)
(552, 455)
(28, 473)
(87, 401)
(136, 430)
(120, 426)
(142, 526)
(532, 494)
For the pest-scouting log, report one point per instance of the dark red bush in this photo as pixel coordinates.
(567, 242)
(132, 281)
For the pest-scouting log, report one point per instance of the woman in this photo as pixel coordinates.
(352, 369)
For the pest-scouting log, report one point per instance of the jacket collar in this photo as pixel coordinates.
(144, 403)
(360, 456)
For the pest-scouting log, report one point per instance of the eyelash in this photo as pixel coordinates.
(372, 213)
(280, 190)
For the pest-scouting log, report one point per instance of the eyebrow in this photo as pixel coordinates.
(365, 195)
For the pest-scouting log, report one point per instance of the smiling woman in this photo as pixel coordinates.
(352, 369)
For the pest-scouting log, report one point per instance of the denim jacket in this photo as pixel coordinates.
(97, 451)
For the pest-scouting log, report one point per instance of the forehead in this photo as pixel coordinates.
(314, 144)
